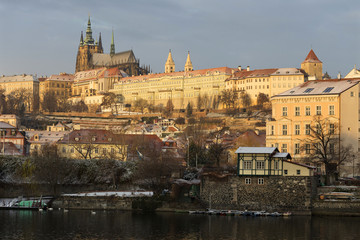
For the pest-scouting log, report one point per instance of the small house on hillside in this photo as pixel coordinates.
(268, 161)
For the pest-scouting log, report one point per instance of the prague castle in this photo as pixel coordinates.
(91, 56)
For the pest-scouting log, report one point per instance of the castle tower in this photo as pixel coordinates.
(312, 66)
(87, 48)
(188, 64)
(170, 64)
(112, 45)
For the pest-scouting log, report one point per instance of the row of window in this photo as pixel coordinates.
(260, 181)
(297, 129)
(96, 150)
(307, 148)
(308, 110)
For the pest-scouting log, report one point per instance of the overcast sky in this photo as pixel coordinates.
(42, 36)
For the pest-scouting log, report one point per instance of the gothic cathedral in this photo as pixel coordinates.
(91, 56)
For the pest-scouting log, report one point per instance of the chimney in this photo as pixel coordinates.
(239, 67)
(232, 71)
(339, 75)
(248, 68)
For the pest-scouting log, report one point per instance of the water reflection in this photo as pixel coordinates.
(127, 225)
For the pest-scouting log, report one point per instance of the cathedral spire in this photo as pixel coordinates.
(112, 45)
(89, 39)
(188, 64)
(170, 64)
(100, 42)
(81, 39)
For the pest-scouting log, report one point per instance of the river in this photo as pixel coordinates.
(82, 224)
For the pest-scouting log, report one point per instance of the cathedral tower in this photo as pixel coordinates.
(188, 64)
(312, 66)
(170, 64)
(112, 46)
(86, 49)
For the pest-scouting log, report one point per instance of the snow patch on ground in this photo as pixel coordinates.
(112, 193)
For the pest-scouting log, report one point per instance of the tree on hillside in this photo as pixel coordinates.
(2, 101)
(245, 99)
(261, 99)
(64, 105)
(18, 101)
(49, 101)
(199, 102)
(229, 98)
(169, 108)
(189, 110)
(141, 104)
(109, 100)
(217, 153)
(79, 107)
(324, 146)
(49, 166)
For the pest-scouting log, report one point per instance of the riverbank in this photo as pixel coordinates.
(136, 202)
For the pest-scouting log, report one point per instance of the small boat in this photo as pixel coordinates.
(275, 214)
(30, 203)
(287, 214)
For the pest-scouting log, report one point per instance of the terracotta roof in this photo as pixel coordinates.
(311, 57)
(110, 72)
(254, 73)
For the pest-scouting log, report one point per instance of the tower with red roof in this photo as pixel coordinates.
(312, 66)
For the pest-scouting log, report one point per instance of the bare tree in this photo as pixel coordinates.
(49, 101)
(141, 104)
(261, 99)
(324, 146)
(2, 101)
(49, 166)
(169, 108)
(229, 98)
(245, 99)
(110, 100)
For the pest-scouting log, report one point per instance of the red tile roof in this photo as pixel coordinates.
(311, 57)
(254, 73)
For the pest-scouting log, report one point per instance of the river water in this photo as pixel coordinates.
(82, 224)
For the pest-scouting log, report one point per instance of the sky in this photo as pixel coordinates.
(42, 36)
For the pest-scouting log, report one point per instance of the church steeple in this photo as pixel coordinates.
(89, 39)
(112, 46)
(170, 64)
(100, 43)
(81, 39)
(188, 64)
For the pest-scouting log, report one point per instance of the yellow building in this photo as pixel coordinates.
(268, 161)
(92, 144)
(60, 85)
(11, 119)
(312, 66)
(180, 87)
(23, 82)
(294, 110)
(267, 81)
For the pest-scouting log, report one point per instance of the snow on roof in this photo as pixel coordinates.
(268, 150)
(321, 87)
(282, 155)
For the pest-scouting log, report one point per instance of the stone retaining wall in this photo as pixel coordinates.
(106, 203)
(338, 208)
(276, 194)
